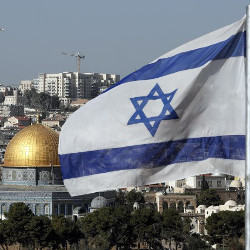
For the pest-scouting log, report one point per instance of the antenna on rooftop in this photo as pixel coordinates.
(78, 57)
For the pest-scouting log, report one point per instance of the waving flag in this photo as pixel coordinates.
(181, 115)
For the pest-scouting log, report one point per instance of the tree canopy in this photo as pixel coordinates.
(225, 225)
(97, 227)
(41, 233)
(209, 197)
(174, 227)
(147, 227)
(133, 196)
(120, 226)
(40, 101)
(195, 242)
(16, 225)
(204, 184)
(22, 227)
(67, 231)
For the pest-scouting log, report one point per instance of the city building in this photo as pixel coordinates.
(25, 85)
(5, 136)
(69, 86)
(53, 122)
(176, 201)
(35, 84)
(230, 205)
(31, 174)
(78, 103)
(17, 121)
(14, 99)
(214, 181)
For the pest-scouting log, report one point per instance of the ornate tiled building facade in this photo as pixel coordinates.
(46, 200)
(31, 176)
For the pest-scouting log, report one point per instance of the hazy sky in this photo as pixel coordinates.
(117, 37)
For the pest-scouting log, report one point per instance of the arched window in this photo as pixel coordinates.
(30, 206)
(37, 209)
(46, 209)
(173, 205)
(3, 210)
(180, 207)
(164, 205)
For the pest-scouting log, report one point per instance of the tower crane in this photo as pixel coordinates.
(78, 57)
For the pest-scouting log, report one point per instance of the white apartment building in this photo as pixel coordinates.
(25, 85)
(214, 181)
(35, 84)
(74, 85)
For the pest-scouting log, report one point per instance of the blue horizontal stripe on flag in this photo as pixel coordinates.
(232, 47)
(152, 155)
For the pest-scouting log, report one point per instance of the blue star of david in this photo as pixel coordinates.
(152, 123)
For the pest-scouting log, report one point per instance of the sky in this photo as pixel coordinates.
(116, 37)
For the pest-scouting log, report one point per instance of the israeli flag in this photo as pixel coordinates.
(179, 116)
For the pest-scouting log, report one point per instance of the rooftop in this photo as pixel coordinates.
(79, 101)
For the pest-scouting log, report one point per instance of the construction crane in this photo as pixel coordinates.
(78, 57)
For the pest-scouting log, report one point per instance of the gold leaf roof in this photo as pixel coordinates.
(35, 145)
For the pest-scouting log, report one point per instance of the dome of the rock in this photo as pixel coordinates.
(34, 146)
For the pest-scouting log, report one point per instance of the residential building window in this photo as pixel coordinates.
(46, 209)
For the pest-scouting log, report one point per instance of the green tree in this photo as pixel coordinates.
(98, 229)
(41, 233)
(121, 228)
(174, 228)
(35, 101)
(17, 221)
(204, 184)
(5, 237)
(120, 198)
(40, 101)
(209, 197)
(195, 242)
(133, 196)
(87, 225)
(147, 227)
(27, 97)
(55, 102)
(67, 231)
(225, 225)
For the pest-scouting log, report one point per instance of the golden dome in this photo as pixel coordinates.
(35, 145)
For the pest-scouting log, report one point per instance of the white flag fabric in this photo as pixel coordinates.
(179, 116)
